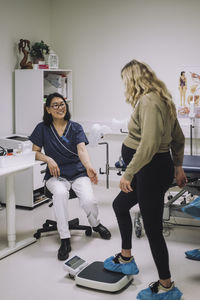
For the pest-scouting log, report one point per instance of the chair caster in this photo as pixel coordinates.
(138, 233)
(137, 225)
(37, 235)
(45, 226)
(88, 232)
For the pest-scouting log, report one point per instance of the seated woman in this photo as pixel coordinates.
(68, 166)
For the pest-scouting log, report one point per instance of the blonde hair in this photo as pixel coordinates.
(139, 80)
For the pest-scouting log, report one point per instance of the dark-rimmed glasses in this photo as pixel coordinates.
(57, 105)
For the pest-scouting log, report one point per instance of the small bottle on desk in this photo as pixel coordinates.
(9, 152)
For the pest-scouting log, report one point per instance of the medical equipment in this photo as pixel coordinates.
(97, 132)
(15, 141)
(31, 179)
(19, 148)
(191, 166)
(74, 265)
(94, 276)
(119, 165)
(119, 125)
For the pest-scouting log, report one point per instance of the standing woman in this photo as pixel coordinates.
(154, 131)
(182, 87)
(68, 165)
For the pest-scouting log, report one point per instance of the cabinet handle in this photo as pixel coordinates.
(43, 171)
(42, 164)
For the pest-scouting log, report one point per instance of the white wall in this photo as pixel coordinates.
(26, 19)
(96, 38)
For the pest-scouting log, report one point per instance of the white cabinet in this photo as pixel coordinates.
(31, 88)
(29, 186)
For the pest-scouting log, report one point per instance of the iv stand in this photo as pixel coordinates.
(191, 127)
(107, 164)
(107, 167)
(192, 121)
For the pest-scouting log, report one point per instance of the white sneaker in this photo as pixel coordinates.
(156, 291)
(158, 288)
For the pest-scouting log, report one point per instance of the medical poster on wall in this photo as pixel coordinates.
(188, 92)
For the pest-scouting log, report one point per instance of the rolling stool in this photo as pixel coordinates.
(51, 225)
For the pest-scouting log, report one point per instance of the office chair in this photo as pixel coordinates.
(51, 225)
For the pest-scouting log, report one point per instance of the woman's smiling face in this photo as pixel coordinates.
(57, 108)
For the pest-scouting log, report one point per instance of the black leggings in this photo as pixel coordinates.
(149, 187)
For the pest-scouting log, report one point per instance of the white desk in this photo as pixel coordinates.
(10, 211)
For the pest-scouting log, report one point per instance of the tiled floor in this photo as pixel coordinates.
(34, 273)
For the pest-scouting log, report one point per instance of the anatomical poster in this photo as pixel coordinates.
(188, 92)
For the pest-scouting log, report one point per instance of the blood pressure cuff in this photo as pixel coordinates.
(193, 208)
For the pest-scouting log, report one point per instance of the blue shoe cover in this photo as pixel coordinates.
(147, 294)
(193, 254)
(127, 269)
(193, 208)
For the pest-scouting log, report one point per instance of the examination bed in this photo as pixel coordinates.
(173, 207)
(191, 166)
(175, 201)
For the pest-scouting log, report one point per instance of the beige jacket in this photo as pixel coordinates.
(151, 131)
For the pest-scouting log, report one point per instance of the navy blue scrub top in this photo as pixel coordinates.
(62, 149)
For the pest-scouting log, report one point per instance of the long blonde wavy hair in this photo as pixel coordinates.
(139, 80)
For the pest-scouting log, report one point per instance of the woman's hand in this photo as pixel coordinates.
(53, 167)
(92, 175)
(125, 185)
(180, 176)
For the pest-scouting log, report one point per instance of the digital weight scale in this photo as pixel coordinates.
(94, 276)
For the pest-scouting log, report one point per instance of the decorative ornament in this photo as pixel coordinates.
(22, 48)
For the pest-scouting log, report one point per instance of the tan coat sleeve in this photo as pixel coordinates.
(152, 128)
(177, 144)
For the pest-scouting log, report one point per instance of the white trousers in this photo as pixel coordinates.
(82, 186)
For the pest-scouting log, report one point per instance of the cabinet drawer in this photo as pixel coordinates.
(38, 175)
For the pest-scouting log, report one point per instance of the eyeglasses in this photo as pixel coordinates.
(57, 106)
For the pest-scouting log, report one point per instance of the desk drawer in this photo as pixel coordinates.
(38, 175)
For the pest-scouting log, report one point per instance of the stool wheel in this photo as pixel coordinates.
(138, 233)
(88, 232)
(37, 235)
(138, 226)
(45, 226)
